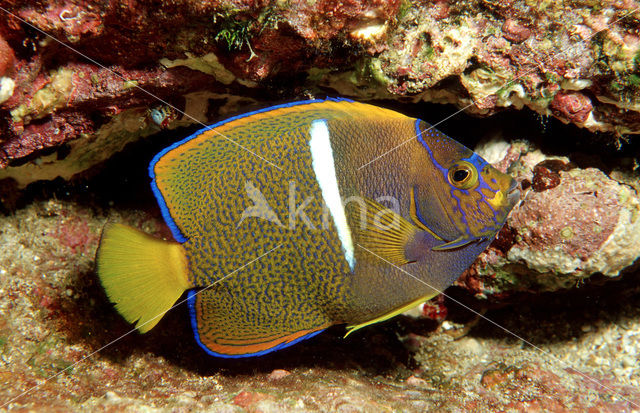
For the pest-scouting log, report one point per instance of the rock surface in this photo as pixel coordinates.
(58, 348)
(571, 223)
(79, 96)
(158, 68)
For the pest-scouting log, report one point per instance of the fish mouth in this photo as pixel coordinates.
(513, 195)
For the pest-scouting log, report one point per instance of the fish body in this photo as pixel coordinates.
(284, 226)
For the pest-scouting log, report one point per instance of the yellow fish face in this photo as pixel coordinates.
(457, 195)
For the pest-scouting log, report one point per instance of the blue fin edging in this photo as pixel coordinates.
(191, 301)
(177, 233)
(166, 215)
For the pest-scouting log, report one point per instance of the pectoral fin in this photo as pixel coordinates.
(415, 217)
(382, 231)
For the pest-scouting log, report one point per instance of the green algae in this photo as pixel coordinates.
(371, 69)
(235, 33)
(129, 84)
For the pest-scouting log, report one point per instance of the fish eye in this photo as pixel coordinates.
(460, 175)
(463, 175)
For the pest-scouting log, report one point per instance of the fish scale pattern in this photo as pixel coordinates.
(206, 194)
(263, 252)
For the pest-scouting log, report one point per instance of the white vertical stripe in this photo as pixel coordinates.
(325, 170)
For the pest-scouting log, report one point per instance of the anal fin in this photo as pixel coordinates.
(219, 335)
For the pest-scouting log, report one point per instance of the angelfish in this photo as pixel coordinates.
(283, 226)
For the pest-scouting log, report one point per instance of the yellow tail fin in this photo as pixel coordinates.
(142, 275)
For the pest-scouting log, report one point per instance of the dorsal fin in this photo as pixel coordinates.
(181, 173)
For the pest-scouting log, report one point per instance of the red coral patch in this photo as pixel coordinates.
(572, 106)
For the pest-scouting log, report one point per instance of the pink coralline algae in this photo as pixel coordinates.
(515, 32)
(326, 19)
(575, 214)
(572, 223)
(7, 58)
(441, 9)
(66, 18)
(574, 107)
(546, 174)
(577, 62)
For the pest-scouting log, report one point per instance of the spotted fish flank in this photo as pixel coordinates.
(260, 208)
(226, 208)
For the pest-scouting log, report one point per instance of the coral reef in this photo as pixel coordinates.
(573, 60)
(120, 74)
(572, 223)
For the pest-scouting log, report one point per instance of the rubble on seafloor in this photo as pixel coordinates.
(54, 316)
(564, 265)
